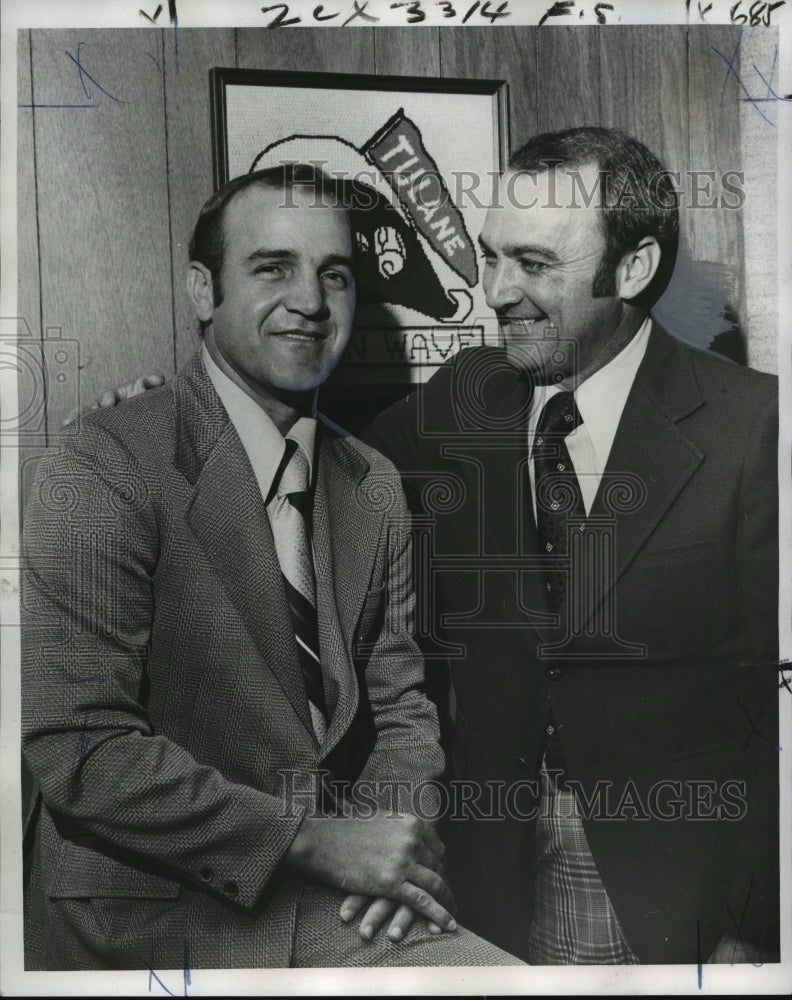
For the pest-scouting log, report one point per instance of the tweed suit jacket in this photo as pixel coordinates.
(667, 689)
(165, 720)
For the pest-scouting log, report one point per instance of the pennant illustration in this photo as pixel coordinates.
(397, 150)
(396, 241)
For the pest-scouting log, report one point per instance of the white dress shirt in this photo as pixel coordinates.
(600, 400)
(265, 446)
(261, 439)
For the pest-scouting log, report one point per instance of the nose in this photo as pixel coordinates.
(306, 296)
(501, 287)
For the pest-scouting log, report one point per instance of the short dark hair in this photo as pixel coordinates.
(208, 244)
(628, 172)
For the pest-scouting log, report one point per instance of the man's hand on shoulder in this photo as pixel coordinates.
(391, 863)
(110, 397)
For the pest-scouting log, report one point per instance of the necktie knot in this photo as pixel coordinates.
(560, 417)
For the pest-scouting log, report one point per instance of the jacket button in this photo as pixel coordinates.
(231, 889)
(554, 673)
(206, 873)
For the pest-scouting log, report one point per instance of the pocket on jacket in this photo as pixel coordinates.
(83, 873)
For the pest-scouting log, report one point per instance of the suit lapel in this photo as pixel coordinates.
(650, 454)
(347, 532)
(227, 515)
(651, 457)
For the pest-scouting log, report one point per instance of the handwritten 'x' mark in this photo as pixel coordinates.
(738, 927)
(84, 73)
(754, 726)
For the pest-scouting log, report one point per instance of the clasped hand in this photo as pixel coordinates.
(390, 864)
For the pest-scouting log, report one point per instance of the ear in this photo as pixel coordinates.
(637, 268)
(201, 290)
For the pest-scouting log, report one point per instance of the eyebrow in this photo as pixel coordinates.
(518, 250)
(331, 260)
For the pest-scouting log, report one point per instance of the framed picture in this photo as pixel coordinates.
(423, 154)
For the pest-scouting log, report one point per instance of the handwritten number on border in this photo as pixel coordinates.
(759, 13)
(414, 13)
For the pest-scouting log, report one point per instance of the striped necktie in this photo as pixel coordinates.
(289, 514)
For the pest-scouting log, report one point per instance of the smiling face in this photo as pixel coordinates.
(541, 249)
(288, 294)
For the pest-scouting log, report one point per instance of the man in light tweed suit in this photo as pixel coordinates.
(167, 718)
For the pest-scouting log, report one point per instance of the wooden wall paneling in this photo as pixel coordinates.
(497, 53)
(28, 302)
(643, 89)
(103, 203)
(31, 410)
(645, 92)
(189, 151)
(407, 51)
(31, 406)
(713, 110)
(568, 78)
(759, 142)
(320, 50)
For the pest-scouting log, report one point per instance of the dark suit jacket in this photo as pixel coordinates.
(673, 694)
(164, 713)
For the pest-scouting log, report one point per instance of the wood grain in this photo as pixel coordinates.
(31, 411)
(644, 88)
(568, 80)
(316, 50)
(187, 119)
(759, 216)
(645, 92)
(103, 204)
(713, 103)
(497, 54)
(407, 51)
(28, 305)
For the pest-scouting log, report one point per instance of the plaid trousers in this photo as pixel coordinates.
(573, 922)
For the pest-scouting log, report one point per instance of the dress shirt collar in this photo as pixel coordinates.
(602, 396)
(261, 439)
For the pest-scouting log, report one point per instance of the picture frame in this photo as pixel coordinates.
(426, 152)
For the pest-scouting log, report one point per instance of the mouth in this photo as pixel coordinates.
(517, 327)
(301, 336)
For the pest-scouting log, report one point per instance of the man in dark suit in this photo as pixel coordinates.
(217, 608)
(603, 577)
(597, 509)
